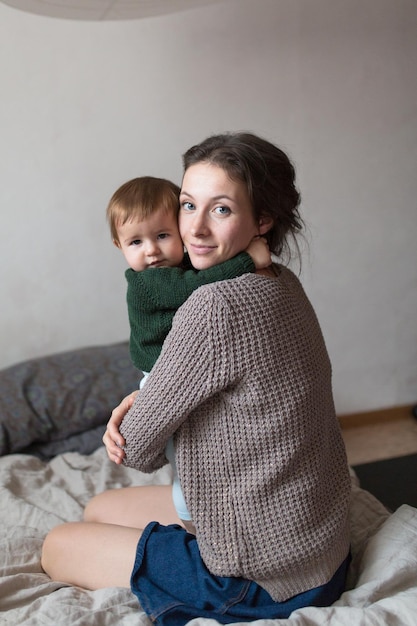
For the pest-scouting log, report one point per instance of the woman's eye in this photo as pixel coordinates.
(222, 210)
(187, 206)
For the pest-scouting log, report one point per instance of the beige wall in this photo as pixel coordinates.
(84, 106)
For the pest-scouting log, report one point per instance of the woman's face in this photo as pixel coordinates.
(216, 218)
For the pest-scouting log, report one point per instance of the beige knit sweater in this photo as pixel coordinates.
(244, 382)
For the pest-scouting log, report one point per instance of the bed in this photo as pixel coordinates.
(52, 416)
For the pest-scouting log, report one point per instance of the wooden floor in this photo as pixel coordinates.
(379, 435)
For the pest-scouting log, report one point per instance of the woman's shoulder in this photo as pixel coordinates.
(277, 276)
(238, 291)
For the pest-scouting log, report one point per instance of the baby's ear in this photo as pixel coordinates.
(117, 243)
(265, 224)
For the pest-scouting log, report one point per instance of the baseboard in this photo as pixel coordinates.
(371, 418)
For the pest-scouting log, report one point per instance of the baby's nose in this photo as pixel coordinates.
(152, 248)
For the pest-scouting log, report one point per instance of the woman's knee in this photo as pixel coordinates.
(134, 507)
(53, 549)
(93, 510)
(105, 507)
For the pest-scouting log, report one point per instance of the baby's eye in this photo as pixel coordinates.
(187, 206)
(222, 210)
(135, 242)
(163, 235)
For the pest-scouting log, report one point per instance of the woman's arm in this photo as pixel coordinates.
(112, 438)
(184, 377)
(164, 377)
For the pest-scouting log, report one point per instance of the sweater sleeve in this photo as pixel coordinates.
(185, 375)
(167, 288)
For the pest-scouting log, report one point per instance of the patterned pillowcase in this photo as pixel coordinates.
(56, 397)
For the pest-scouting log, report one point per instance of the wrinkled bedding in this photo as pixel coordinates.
(35, 495)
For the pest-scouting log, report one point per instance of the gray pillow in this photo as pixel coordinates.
(63, 397)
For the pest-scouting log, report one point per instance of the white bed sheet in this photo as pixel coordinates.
(35, 496)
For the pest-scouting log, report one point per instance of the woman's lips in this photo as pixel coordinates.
(200, 249)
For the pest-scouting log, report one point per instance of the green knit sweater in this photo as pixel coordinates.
(243, 384)
(154, 295)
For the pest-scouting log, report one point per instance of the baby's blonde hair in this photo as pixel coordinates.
(139, 198)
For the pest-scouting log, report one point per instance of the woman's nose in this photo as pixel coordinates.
(199, 225)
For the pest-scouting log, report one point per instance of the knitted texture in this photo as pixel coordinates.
(244, 382)
(155, 295)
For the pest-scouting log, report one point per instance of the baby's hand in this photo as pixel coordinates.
(259, 251)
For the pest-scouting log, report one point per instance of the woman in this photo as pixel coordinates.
(243, 384)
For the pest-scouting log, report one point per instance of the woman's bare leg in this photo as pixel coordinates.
(134, 507)
(90, 555)
(100, 551)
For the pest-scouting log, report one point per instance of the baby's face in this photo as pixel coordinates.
(152, 242)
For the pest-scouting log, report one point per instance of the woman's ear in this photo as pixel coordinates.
(265, 224)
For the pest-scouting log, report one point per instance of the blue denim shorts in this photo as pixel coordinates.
(174, 586)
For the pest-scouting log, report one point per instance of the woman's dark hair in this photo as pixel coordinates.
(268, 174)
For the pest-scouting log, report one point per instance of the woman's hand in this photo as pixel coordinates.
(259, 251)
(112, 438)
